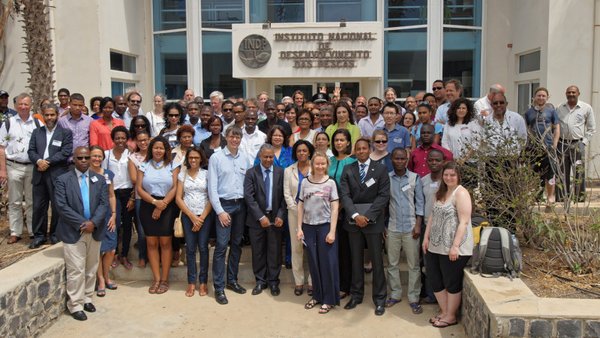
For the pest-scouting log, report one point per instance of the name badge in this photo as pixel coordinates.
(172, 138)
(398, 140)
(94, 179)
(406, 187)
(57, 143)
(434, 185)
(370, 182)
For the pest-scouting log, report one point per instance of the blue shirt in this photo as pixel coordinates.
(158, 179)
(406, 201)
(438, 129)
(397, 137)
(200, 134)
(226, 174)
(337, 167)
(541, 122)
(283, 161)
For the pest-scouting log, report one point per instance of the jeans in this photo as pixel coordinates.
(123, 220)
(199, 240)
(232, 235)
(396, 242)
(140, 230)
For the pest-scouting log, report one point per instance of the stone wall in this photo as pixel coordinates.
(32, 293)
(499, 307)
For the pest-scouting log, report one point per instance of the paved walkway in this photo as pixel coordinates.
(131, 312)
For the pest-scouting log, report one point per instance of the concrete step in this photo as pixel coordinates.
(245, 274)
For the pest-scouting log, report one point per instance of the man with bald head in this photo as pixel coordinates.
(188, 95)
(483, 106)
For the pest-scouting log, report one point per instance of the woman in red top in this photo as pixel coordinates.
(100, 129)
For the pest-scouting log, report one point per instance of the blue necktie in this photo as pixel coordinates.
(268, 189)
(85, 197)
(362, 172)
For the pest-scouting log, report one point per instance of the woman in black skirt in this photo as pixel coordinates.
(156, 184)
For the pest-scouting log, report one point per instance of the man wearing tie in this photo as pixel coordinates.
(49, 149)
(82, 203)
(266, 210)
(365, 192)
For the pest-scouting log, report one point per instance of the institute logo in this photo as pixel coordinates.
(254, 51)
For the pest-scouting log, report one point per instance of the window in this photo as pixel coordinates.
(122, 62)
(462, 58)
(349, 10)
(276, 11)
(118, 87)
(525, 95)
(222, 13)
(168, 14)
(529, 62)
(462, 12)
(406, 61)
(217, 70)
(403, 13)
(170, 64)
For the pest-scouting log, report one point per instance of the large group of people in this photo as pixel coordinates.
(320, 180)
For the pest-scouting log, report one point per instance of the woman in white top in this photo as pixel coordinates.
(462, 130)
(192, 199)
(448, 244)
(136, 159)
(305, 121)
(157, 115)
(322, 143)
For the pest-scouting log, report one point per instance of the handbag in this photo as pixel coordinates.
(178, 226)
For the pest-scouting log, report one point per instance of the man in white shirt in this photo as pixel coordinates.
(453, 90)
(252, 138)
(483, 106)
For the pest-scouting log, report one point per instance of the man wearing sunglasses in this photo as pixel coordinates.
(134, 103)
(437, 88)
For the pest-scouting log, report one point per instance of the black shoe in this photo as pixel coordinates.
(258, 289)
(89, 307)
(37, 242)
(54, 239)
(275, 291)
(221, 298)
(352, 304)
(79, 315)
(237, 288)
(379, 310)
(288, 265)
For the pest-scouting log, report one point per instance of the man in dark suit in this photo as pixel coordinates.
(365, 192)
(263, 192)
(82, 202)
(49, 148)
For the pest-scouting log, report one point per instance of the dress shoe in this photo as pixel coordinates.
(352, 304)
(13, 239)
(221, 298)
(89, 307)
(79, 315)
(379, 310)
(288, 265)
(258, 289)
(275, 291)
(237, 288)
(36, 243)
(54, 239)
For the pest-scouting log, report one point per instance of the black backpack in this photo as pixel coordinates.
(498, 253)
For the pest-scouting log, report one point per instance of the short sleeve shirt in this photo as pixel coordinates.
(195, 190)
(317, 198)
(158, 179)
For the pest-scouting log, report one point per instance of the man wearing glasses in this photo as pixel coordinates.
(483, 106)
(439, 92)
(63, 101)
(134, 102)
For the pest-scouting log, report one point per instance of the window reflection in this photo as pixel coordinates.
(217, 70)
(462, 12)
(349, 10)
(168, 14)
(406, 61)
(276, 11)
(222, 13)
(403, 13)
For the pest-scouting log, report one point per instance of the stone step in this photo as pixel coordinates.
(245, 274)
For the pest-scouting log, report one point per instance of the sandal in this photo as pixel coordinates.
(391, 302)
(126, 263)
(111, 286)
(190, 290)
(434, 319)
(298, 290)
(115, 263)
(442, 324)
(203, 290)
(153, 288)
(311, 304)
(416, 308)
(142, 263)
(101, 293)
(162, 288)
(325, 309)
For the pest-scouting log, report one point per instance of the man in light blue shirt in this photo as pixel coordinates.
(226, 173)
(407, 204)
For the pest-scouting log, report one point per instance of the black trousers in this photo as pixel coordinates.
(357, 247)
(43, 194)
(344, 256)
(266, 254)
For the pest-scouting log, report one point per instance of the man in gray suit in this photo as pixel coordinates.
(49, 149)
(263, 192)
(82, 202)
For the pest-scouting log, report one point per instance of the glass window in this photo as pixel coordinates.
(525, 95)
(288, 90)
(462, 12)
(120, 87)
(222, 13)
(122, 62)
(170, 64)
(216, 65)
(406, 61)
(401, 13)
(276, 11)
(168, 14)
(462, 58)
(349, 10)
(529, 62)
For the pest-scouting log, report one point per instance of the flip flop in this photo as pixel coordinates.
(444, 324)
(111, 286)
(325, 309)
(101, 293)
(434, 319)
(311, 304)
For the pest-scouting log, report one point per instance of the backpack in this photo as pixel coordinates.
(7, 123)
(498, 253)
